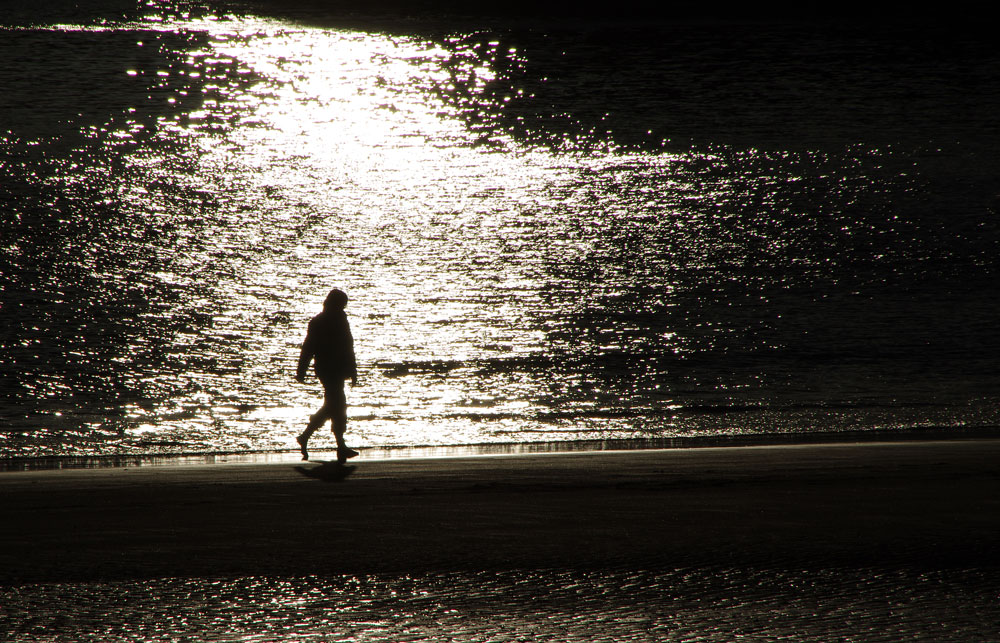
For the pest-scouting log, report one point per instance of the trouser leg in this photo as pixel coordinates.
(315, 421)
(336, 407)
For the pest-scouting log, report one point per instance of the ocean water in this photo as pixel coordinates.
(550, 230)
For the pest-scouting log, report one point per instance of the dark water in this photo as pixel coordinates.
(715, 604)
(550, 229)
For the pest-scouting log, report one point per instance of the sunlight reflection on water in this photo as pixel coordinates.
(324, 157)
(715, 604)
(503, 288)
(384, 194)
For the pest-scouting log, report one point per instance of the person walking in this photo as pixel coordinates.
(329, 345)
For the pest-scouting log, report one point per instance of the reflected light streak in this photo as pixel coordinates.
(500, 290)
(338, 146)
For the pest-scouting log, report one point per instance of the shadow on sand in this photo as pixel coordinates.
(328, 471)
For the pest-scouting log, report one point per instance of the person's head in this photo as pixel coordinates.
(336, 300)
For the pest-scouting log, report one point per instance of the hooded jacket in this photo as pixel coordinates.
(330, 345)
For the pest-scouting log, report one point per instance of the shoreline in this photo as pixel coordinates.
(101, 461)
(919, 504)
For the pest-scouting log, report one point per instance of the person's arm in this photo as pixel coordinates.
(305, 356)
(353, 359)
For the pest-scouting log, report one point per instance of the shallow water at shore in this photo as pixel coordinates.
(697, 605)
(843, 542)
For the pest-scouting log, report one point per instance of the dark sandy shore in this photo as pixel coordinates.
(914, 504)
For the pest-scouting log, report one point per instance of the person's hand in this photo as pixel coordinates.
(300, 379)
(354, 380)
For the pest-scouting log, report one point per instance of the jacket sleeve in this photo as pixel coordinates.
(305, 355)
(352, 360)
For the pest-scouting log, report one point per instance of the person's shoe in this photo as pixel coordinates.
(302, 446)
(344, 453)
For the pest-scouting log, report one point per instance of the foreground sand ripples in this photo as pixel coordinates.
(705, 604)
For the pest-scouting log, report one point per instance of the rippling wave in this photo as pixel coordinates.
(548, 231)
(712, 604)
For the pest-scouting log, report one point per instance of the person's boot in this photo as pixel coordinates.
(343, 453)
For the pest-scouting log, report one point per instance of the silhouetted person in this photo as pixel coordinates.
(330, 345)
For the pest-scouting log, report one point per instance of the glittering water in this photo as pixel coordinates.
(546, 235)
(721, 604)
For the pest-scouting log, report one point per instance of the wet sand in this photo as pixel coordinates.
(917, 504)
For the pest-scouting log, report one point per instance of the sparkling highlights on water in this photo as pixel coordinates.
(716, 604)
(265, 163)
(515, 275)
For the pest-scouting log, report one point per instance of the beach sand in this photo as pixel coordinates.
(920, 504)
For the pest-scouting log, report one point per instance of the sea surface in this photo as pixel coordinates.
(716, 605)
(550, 229)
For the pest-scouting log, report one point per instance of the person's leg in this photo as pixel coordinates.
(337, 405)
(338, 413)
(316, 420)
